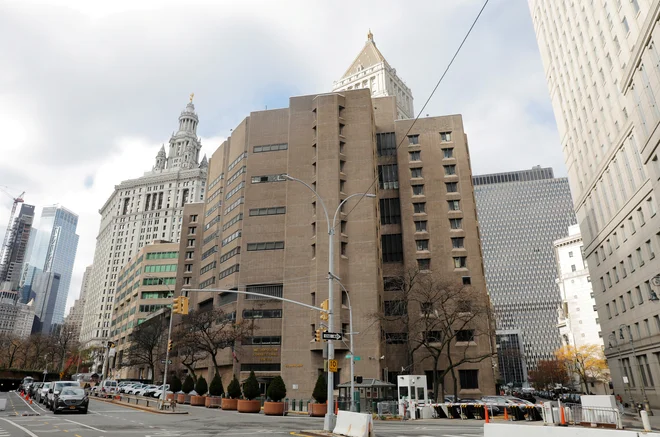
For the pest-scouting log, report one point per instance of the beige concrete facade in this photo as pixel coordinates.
(144, 286)
(267, 235)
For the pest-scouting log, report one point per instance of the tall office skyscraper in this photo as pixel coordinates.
(75, 317)
(12, 264)
(520, 215)
(139, 211)
(603, 70)
(54, 243)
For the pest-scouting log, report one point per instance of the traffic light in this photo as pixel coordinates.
(176, 305)
(180, 305)
(317, 337)
(169, 345)
(325, 305)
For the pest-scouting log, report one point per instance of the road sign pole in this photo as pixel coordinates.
(167, 360)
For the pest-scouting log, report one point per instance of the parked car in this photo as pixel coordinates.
(157, 393)
(106, 387)
(71, 399)
(131, 390)
(42, 393)
(55, 390)
(34, 387)
(27, 380)
(143, 390)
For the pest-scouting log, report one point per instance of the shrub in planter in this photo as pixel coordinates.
(250, 392)
(276, 392)
(201, 387)
(188, 385)
(216, 388)
(320, 394)
(175, 384)
(233, 393)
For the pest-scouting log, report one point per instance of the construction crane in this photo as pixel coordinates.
(4, 252)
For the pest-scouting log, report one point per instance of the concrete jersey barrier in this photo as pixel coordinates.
(354, 424)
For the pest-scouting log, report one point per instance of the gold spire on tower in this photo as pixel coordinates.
(370, 36)
(192, 95)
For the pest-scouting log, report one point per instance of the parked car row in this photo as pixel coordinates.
(139, 389)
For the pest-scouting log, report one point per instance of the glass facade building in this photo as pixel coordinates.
(520, 215)
(53, 250)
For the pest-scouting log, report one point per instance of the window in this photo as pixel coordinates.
(189, 255)
(392, 247)
(413, 139)
(390, 211)
(645, 370)
(467, 280)
(416, 172)
(640, 216)
(627, 371)
(454, 205)
(271, 245)
(469, 379)
(573, 268)
(419, 207)
(268, 211)
(422, 245)
(452, 187)
(418, 190)
(640, 298)
(630, 299)
(265, 291)
(420, 225)
(231, 270)
(193, 218)
(386, 144)
(396, 308)
(270, 148)
(609, 310)
(625, 24)
(396, 338)
(262, 314)
(445, 137)
(465, 335)
(264, 340)
(388, 177)
(342, 186)
(209, 252)
(640, 257)
(344, 248)
(448, 153)
(649, 249)
(424, 264)
(231, 238)
(651, 207)
(415, 156)
(232, 253)
(570, 254)
(449, 170)
(313, 250)
(458, 242)
(237, 218)
(267, 178)
(456, 223)
(635, 5)
(623, 304)
(460, 262)
(191, 242)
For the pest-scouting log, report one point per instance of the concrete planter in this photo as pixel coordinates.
(213, 402)
(245, 406)
(229, 404)
(197, 401)
(180, 398)
(317, 410)
(274, 408)
(170, 397)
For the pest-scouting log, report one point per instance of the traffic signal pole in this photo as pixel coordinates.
(163, 395)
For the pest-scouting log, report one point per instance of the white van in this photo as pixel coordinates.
(107, 387)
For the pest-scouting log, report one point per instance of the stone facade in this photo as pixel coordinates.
(264, 234)
(607, 115)
(138, 212)
(145, 285)
(75, 317)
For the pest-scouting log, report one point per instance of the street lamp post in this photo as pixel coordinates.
(616, 343)
(645, 400)
(350, 336)
(328, 423)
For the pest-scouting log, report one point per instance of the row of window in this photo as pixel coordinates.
(267, 178)
(235, 176)
(262, 314)
(270, 148)
(232, 253)
(208, 267)
(236, 161)
(161, 268)
(233, 221)
(162, 255)
(158, 281)
(231, 270)
(156, 294)
(267, 211)
(235, 190)
(234, 205)
(231, 237)
(262, 340)
(209, 252)
(445, 137)
(270, 245)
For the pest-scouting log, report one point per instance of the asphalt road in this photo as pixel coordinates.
(112, 420)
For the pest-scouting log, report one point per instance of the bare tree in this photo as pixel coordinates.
(11, 348)
(214, 330)
(441, 318)
(187, 349)
(63, 341)
(147, 344)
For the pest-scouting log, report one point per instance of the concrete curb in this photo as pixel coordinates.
(138, 407)
(317, 433)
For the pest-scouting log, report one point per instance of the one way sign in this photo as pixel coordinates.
(331, 336)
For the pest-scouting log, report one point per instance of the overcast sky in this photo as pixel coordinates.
(90, 89)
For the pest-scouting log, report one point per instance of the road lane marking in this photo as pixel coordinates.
(76, 435)
(86, 426)
(26, 403)
(25, 430)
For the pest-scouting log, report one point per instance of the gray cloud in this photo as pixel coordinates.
(82, 87)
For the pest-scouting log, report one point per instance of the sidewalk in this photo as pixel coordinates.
(632, 420)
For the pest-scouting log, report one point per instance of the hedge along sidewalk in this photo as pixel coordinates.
(136, 406)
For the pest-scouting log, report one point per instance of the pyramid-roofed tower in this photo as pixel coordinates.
(371, 70)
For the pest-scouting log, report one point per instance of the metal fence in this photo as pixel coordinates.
(388, 408)
(576, 414)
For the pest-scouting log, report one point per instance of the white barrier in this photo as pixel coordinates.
(3, 404)
(510, 429)
(354, 424)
